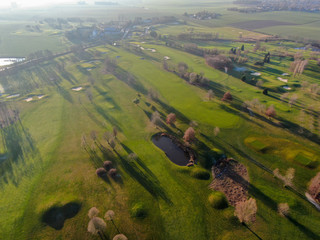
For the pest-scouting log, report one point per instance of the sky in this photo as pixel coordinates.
(33, 3)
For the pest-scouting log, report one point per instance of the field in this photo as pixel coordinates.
(69, 105)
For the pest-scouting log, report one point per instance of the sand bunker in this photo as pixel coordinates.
(77, 89)
(28, 99)
(166, 58)
(40, 96)
(231, 178)
(282, 80)
(256, 74)
(286, 87)
(285, 74)
(13, 96)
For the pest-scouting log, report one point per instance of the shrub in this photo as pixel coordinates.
(227, 97)
(217, 200)
(101, 172)
(200, 174)
(138, 211)
(107, 165)
(113, 172)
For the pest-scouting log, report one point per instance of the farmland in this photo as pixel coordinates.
(65, 115)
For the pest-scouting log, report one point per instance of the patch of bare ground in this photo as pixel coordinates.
(256, 24)
(231, 178)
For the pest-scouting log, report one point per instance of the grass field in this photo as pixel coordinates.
(54, 148)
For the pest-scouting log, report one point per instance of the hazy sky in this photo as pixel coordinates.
(33, 3)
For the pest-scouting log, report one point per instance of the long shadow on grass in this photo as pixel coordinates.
(304, 229)
(19, 146)
(104, 94)
(129, 79)
(140, 162)
(107, 117)
(150, 184)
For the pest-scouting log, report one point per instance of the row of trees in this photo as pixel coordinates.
(97, 226)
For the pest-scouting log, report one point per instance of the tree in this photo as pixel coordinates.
(293, 99)
(109, 217)
(182, 68)
(153, 34)
(314, 187)
(271, 112)
(189, 135)
(113, 172)
(227, 97)
(216, 131)
(112, 143)
(115, 132)
(171, 118)
(219, 62)
(93, 212)
(101, 172)
(120, 237)
(107, 165)
(155, 118)
(193, 77)
(136, 101)
(246, 211)
(97, 226)
(210, 94)
(283, 209)
(259, 83)
(242, 48)
(287, 178)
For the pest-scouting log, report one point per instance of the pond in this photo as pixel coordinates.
(9, 61)
(172, 150)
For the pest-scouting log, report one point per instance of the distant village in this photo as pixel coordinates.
(250, 6)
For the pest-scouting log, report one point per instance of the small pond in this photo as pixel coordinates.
(173, 152)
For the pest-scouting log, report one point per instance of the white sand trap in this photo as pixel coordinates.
(285, 74)
(40, 96)
(256, 74)
(142, 48)
(282, 80)
(166, 58)
(286, 87)
(28, 99)
(13, 96)
(77, 89)
(153, 50)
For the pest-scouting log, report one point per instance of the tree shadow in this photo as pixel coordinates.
(151, 185)
(304, 229)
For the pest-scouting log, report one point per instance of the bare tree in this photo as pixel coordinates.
(155, 118)
(271, 112)
(109, 217)
(210, 94)
(115, 131)
(93, 212)
(216, 131)
(246, 211)
(283, 209)
(93, 135)
(120, 237)
(259, 83)
(287, 178)
(189, 135)
(171, 118)
(97, 226)
(314, 187)
(293, 99)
